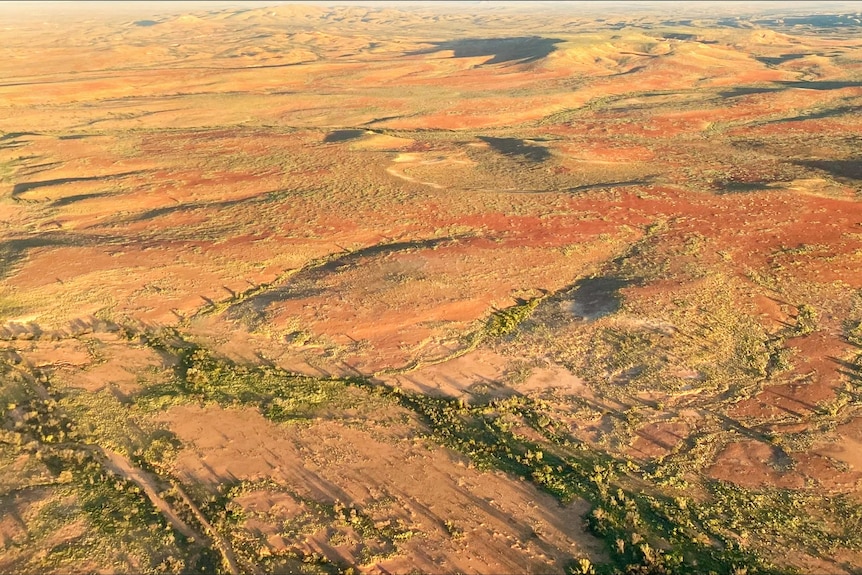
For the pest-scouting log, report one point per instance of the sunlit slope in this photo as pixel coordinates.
(392, 289)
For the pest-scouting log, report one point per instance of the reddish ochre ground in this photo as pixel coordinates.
(338, 191)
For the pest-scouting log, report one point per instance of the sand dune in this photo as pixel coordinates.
(436, 287)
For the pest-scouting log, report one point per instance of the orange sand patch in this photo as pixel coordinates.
(658, 439)
(329, 462)
(753, 464)
(845, 445)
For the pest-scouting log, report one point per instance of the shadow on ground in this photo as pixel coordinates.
(522, 49)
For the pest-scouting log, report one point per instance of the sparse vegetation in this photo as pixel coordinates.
(559, 463)
(112, 521)
(518, 302)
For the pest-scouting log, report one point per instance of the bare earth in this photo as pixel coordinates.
(430, 288)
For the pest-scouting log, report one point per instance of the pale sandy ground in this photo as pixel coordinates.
(187, 173)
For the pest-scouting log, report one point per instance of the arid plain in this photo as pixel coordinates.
(434, 288)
